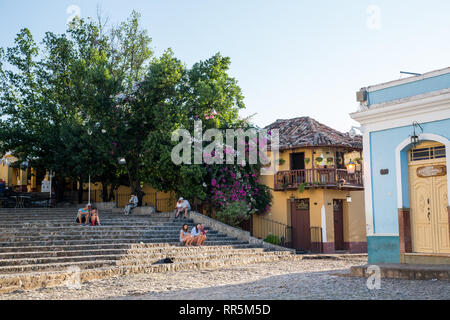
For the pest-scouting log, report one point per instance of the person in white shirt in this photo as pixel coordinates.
(132, 203)
(182, 206)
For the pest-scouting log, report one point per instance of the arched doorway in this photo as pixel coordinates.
(428, 198)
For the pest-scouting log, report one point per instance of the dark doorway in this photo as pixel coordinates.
(301, 234)
(338, 213)
(298, 161)
(340, 163)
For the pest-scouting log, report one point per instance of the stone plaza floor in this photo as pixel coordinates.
(297, 279)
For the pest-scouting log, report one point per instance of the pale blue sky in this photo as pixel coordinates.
(291, 58)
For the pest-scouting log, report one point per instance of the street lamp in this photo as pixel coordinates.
(351, 167)
(90, 132)
(415, 137)
(352, 133)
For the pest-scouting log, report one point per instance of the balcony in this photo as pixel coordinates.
(318, 178)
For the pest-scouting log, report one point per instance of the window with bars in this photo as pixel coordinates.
(427, 153)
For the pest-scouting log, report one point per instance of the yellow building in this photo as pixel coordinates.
(318, 199)
(18, 178)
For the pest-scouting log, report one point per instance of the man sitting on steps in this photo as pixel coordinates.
(83, 215)
(132, 203)
(182, 206)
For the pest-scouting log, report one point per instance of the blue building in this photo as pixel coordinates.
(406, 138)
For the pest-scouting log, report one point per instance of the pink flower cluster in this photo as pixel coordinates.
(210, 115)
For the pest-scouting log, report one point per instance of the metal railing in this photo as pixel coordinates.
(262, 227)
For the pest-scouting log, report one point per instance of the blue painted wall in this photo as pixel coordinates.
(384, 190)
(383, 249)
(409, 89)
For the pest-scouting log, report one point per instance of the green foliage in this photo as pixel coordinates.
(234, 213)
(271, 238)
(307, 160)
(301, 187)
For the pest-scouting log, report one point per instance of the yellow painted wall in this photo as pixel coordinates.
(16, 175)
(166, 200)
(354, 218)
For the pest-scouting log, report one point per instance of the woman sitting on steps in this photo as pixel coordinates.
(185, 237)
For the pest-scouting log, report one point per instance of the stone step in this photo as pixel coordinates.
(79, 230)
(405, 271)
(106, 241)
(35, 280)
(76, 227)
(124, 246)
(169, 249)
(53, 263)
(72, 217)
(136, 239)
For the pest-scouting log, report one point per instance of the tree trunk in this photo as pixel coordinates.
(111, 195)
(59, 188)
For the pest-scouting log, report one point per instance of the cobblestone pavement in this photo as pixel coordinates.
(299, 279)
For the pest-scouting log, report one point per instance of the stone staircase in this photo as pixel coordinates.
(45, 247)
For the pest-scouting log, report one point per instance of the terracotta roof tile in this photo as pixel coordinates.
(306, 132)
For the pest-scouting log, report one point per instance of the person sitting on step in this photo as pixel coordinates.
(196, 232)
(185, 237)
(95, 219)
(178, 208)
(183, 206)
(83, 215)
(203, 233)
(132, 203)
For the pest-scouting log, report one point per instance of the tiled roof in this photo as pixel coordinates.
(306, 132)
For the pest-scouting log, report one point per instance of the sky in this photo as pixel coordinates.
(291, 58)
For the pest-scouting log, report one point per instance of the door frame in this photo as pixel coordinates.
(307, 227)
(402, 184)
(340, 213)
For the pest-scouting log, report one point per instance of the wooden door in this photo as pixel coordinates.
(441, 214)
(429, 215)
(338, 214)
(301, 234)
(420, 201)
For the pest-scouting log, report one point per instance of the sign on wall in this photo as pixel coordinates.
(432, 171)
(45, 186)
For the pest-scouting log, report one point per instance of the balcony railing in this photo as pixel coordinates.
(329, 177)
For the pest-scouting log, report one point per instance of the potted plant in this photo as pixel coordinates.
(307, 160)
(281, 161)
(301, 187)
(330, 160)
(319, 159)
